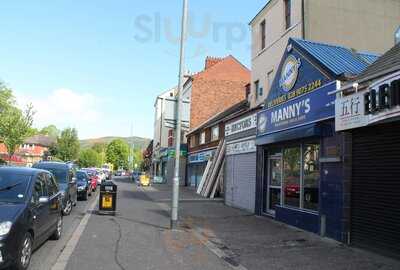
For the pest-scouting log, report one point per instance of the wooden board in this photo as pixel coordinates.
(219, 179)
(214, 158)
(215, 172)
(204, 177)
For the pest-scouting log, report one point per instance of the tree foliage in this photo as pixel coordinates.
(15, 124)
(50, 130)
(137, 159)
(89, 158)
(100, 148)
(67, 148)
(117, 153)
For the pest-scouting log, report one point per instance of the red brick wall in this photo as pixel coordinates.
(216, 89)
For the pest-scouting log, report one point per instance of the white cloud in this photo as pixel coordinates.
(65, 108)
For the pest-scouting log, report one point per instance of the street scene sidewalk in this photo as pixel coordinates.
(211, 236)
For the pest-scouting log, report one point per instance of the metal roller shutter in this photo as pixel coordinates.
(240, 175)
(375, 198)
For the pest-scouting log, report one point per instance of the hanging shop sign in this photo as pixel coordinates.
(379, 103)
(201, 156)
(296, 76)
(308, 108)
(290, 72)
(241, 125)
(350, 112)
(243, 147)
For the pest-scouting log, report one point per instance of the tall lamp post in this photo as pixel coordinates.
(175, 188)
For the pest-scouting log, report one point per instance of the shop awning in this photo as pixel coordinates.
(310, 130)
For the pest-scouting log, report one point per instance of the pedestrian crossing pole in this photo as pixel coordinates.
(175, 187)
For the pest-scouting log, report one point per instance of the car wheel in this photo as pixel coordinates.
(24, 252)
(68, 208)
(58, 231)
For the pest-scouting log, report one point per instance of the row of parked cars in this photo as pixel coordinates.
(33, 202)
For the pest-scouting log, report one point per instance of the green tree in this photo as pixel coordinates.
(117, 153)
(50, 130)
(15, 124)
(7, 99)
(89, 158)
(100, 148)
(67, 148)
(137, 159)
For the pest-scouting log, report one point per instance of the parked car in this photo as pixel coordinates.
(30, 213)
(84, 185)
(66, 179)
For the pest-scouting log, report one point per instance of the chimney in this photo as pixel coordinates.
(210, 61)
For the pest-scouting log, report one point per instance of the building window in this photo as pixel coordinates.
(215, 133)
(259, 90)
(263, 34)
(291, 176)
(248, 89)
(270, 78)
(287, 13)
(193, 141)
(203, 137)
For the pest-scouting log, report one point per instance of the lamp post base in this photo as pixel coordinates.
(174, 224)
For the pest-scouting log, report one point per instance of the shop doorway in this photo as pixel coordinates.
(274, 185)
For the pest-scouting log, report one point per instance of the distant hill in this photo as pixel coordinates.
(138, 142)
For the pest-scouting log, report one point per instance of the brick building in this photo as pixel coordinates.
(219, 86)
(34, 149)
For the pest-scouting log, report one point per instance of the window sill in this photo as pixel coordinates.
(313, 212)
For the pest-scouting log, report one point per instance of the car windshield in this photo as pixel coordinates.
(13, 187)
(81, 176)
(59, 174)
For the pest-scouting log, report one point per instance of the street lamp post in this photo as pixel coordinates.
(175, 188)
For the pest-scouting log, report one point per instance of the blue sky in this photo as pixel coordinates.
(98, 65)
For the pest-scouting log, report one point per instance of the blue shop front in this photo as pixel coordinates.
(300, 173)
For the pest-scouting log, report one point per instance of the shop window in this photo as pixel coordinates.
(203, 137)
(215, 133)
(311, 176)
(296, 184)
(291, 176)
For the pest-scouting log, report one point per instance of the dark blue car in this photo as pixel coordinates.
(30, 213)
(65, 174)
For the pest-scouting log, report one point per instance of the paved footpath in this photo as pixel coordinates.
(138, 238)
(213, 236)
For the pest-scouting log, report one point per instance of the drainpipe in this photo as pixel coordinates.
(303, 30)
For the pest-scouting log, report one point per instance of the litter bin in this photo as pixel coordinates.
(108, 198)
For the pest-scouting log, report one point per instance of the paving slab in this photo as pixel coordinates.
(263, 243)
(138, 237)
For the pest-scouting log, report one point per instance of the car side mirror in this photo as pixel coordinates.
(43, 200)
